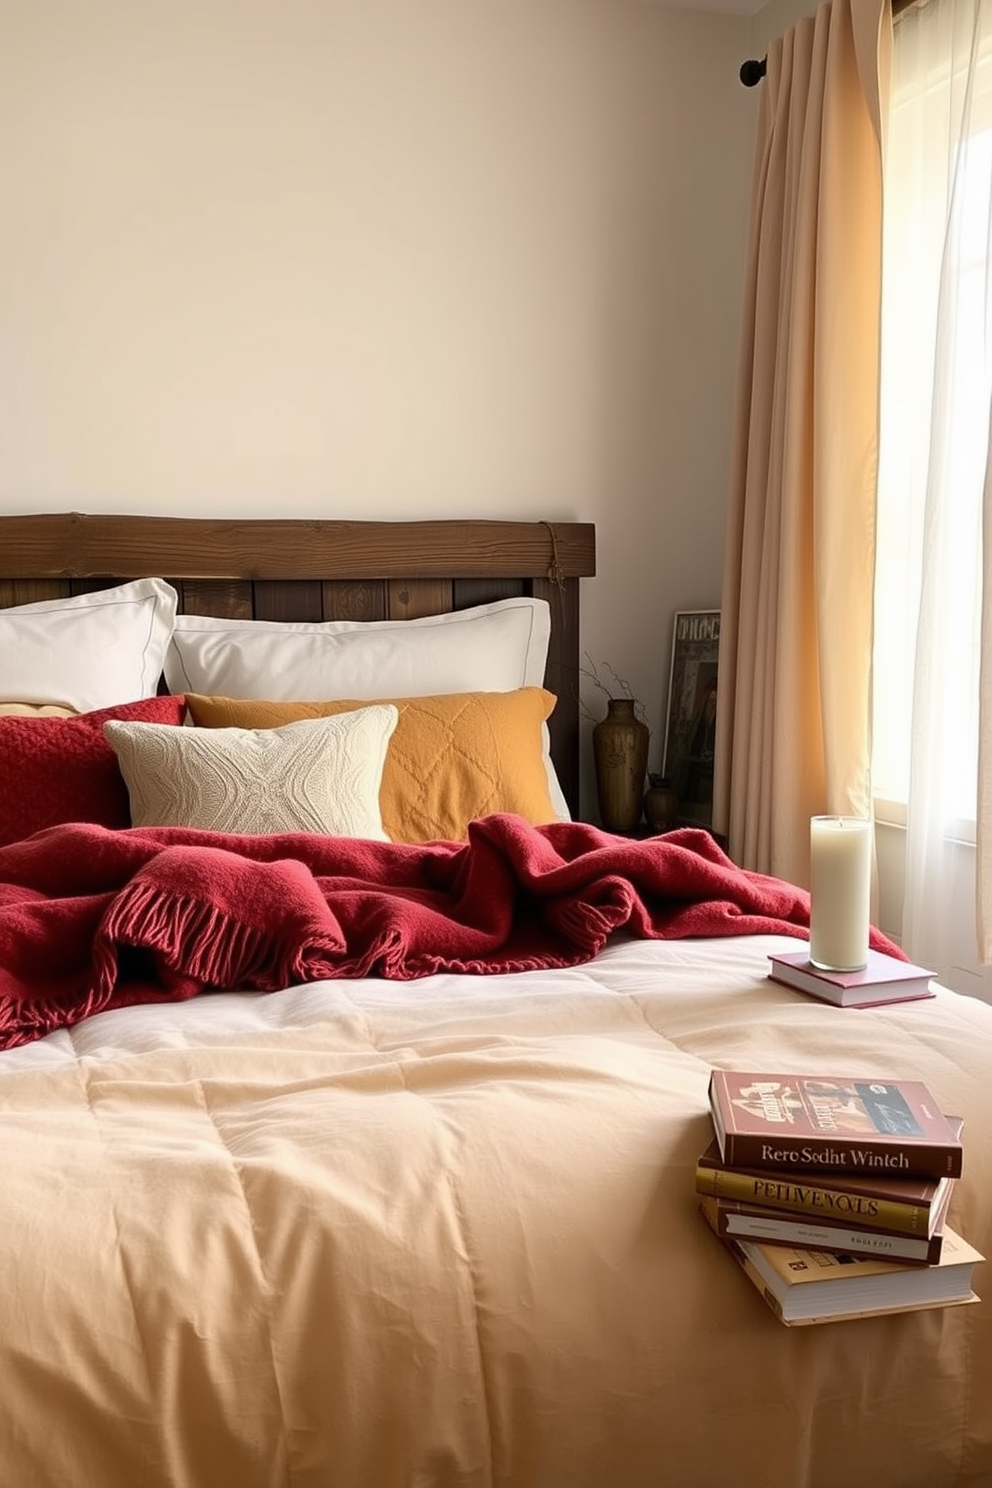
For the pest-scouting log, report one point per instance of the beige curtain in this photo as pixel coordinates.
(793, 722)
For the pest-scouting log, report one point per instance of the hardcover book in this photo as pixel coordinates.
(830, 1123)
(898, 1206)
(813, 1286)
(732, 1219)
(884, 979)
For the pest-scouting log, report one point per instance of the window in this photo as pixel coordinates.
(936, 379)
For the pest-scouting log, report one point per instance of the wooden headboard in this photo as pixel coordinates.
(323, 570)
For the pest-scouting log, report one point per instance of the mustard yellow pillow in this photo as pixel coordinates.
(451, 758)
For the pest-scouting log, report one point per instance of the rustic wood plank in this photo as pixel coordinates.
(350, 599)
(91, 586)
(286, 599)
(410, 599)
(31, 591)
(469, 592)
(54, 545)
(224, 600)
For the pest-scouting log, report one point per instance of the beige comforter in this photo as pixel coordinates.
(374, 1235)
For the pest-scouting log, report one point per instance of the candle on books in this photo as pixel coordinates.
(839, 892)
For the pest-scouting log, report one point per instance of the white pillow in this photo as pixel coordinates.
(92, 651)
(317, 775)
(490, 648)
(494, 647)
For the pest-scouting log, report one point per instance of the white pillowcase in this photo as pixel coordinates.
(91, 651)
(317, 775)
(490, 648)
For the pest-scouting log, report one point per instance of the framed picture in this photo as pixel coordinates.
(690, 729)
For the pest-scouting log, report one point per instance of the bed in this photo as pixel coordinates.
(436, 1228)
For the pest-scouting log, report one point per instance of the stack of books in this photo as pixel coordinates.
(832, 1193)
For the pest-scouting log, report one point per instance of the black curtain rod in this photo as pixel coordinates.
(752, 72)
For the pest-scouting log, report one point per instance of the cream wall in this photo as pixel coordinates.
(397, 258)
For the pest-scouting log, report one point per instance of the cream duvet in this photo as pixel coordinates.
(372, 1234)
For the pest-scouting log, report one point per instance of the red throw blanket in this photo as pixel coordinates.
(93, 919)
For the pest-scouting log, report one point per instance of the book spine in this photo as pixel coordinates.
(805, 1198)
(801, 1235)
(828, 1155)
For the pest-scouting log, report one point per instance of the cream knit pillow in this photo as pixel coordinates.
(318, 775)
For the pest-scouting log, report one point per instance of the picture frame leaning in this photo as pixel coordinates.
(690, 726)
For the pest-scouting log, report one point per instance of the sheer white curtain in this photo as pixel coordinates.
(936, 379)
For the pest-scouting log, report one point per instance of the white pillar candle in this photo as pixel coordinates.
(839, 892)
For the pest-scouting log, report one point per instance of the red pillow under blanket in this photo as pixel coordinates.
(55, 770)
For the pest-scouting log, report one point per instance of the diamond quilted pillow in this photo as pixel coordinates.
(453, 757)
(55, 770)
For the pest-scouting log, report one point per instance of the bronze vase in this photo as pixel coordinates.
(620, 752)
(661, 804)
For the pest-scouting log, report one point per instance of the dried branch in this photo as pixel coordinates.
(617, 687)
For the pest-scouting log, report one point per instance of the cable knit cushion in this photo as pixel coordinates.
(55, 770)
(318, 775)
(452, 758)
